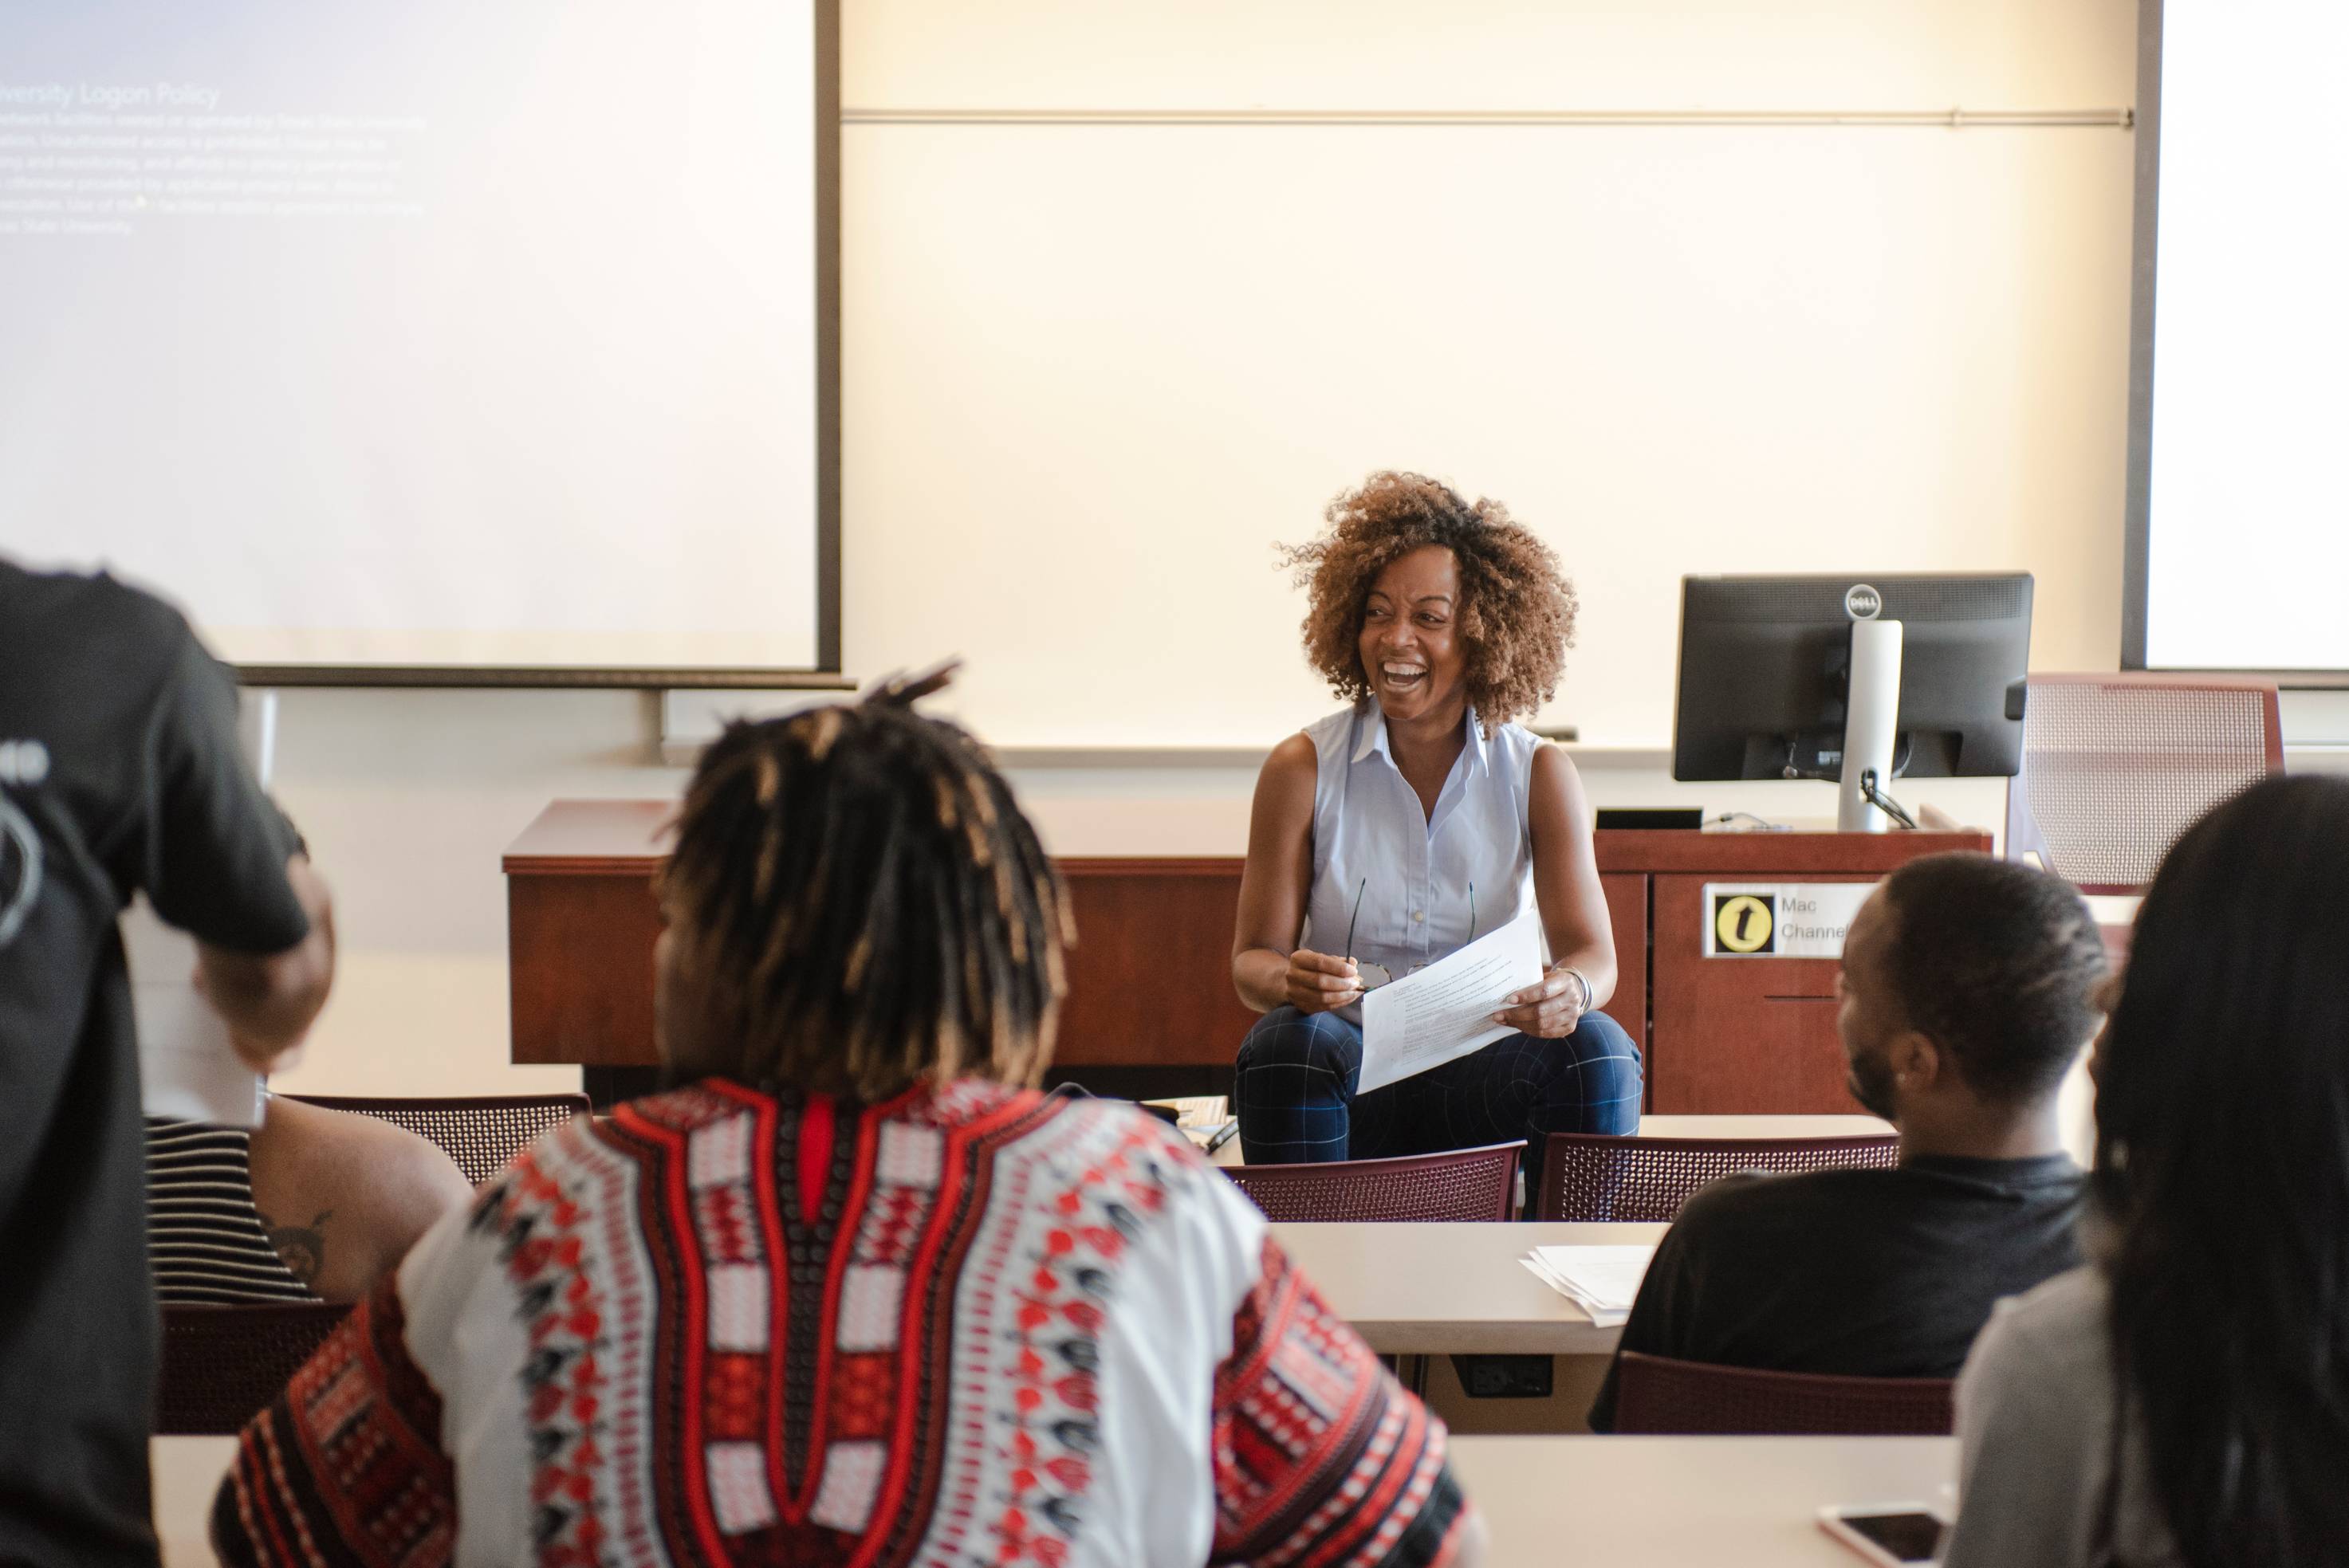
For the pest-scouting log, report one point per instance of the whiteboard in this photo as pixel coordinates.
(437, 334)
(1101, 370)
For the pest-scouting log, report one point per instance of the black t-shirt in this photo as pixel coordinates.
(119, 773)
(1866, 1274)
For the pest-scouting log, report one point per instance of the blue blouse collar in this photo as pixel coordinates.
(1370, 736)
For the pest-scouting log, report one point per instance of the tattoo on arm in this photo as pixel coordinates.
(303, 1247)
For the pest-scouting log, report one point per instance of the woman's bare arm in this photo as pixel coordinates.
(1573, 903)
(1268, 967)
(343, 1196)
(269, 1000)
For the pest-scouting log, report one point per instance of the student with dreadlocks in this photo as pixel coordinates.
(852, 1289)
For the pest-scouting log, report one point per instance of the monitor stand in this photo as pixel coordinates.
(1870, 727)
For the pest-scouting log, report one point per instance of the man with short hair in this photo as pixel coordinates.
(119, 773)
(1968, 989)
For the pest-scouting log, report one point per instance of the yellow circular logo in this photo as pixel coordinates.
(1741, 924)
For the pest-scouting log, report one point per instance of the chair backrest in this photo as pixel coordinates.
(479, 1133)
(2115, 767)
(1658, 1395)
(1590, 1176)
(222, 1364)
(1459, 1184)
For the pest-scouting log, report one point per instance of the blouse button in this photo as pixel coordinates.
(1418, 915)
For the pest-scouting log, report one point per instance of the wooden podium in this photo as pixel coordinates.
(1150, 979)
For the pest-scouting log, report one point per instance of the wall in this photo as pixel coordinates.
(1092, 373)
(1095, 371)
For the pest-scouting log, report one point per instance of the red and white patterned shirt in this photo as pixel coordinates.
(969, 1325)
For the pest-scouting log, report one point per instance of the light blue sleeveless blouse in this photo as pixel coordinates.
(1414, 871)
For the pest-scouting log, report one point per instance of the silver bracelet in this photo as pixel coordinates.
(1589, 995)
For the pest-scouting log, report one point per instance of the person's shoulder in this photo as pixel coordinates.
(386, 1184)
(1745, 1197)
(2048, 1349)
(1096, 1169)
(1064, 1126)
(1542, 762)
(75, 616)
(1143, 1138)
(1291, 776)
(98, 602)
(2063, 1319)
(1514, 734)
(1295, 758)
(1122, 1148)
(1333, 735)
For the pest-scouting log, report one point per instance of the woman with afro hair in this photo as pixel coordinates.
(1386, 836)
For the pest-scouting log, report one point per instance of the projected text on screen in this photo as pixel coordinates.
(431, 335)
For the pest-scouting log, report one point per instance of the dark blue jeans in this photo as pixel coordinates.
(1294, 1092)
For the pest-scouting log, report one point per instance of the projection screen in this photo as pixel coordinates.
(437, 341)
(2238, 530)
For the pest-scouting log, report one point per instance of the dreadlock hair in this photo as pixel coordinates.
(865, 907)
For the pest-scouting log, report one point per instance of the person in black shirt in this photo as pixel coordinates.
(119, 773)
(1969, 987)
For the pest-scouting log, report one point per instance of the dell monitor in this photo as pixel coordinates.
(1859, 679)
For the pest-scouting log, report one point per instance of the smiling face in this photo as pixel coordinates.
(1410, 642)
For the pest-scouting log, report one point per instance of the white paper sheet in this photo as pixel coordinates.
(1445, 1011)
(187, 1069)
(1603, 1281)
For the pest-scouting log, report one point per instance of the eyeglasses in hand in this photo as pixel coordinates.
(1374, 976)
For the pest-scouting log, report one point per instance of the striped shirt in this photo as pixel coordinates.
(205, 1238)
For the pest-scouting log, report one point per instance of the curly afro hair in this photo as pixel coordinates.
(1517, 607)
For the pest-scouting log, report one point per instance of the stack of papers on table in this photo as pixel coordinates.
(1601, 1281)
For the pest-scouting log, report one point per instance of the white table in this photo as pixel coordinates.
(188, 1472)
(1854, 1126)
(1617, 1500)
(1453, 1289)
(1674, 1502)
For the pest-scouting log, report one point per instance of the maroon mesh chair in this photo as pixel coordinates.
(1657, 1394)
(2115, 767)
(1591, 1176)
(480, 1133)
(222, 1364)
(1460, 1185)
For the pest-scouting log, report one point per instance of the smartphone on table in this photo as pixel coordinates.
(1890, 1534)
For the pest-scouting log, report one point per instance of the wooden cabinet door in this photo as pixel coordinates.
(1739, 1036)
(1627, 913)
(1149, 979)
(580, 968)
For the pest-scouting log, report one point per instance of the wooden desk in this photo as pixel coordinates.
(1751, 1035)
(1150, 979)
(1766, 1127)
(1434, 1290)
(1674, 1502)
(1669, 1501)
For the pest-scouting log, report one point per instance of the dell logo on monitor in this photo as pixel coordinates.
(1862, 602)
